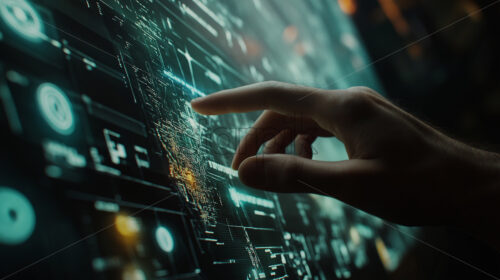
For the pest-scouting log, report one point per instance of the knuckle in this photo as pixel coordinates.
(278, 88)
(272, 85)
(358, 101)
(349, 107)
(369, 91)
(363, 89)
(272, 91)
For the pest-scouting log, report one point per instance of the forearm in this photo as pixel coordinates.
(479, 214)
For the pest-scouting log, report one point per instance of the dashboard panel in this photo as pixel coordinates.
(107, 173)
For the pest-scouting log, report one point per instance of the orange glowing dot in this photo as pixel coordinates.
(290, 34)
(190, 178)
(473, 10)
(415, 51)
(253, 47)
(383, 253)
(127, 226)
(349, 7)
(300, 49)
(395, 16)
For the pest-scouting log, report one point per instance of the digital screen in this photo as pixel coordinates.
(107, 173)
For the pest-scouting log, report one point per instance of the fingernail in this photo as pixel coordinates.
(196, 100)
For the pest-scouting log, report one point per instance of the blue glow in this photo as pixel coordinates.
(183, 83)
(164, 239)
(56, 108)
(238, 198)
(22, 18)
(17, 217)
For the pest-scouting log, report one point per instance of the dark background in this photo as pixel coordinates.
(451, 78)
(446, 71)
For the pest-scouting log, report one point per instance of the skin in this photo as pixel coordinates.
(399, 168)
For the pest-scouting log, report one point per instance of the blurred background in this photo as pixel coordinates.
(449, 78)
(440, 61)
(436, 59)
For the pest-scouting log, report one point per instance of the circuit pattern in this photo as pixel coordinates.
(102, 145)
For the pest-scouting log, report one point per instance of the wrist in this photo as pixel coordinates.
(480, 205)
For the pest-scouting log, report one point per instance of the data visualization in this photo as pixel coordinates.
(107, 173)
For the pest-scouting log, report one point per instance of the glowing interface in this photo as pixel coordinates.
(55, 108)
(111, 174)
(17, 217)
(164, 239)
(22, 17)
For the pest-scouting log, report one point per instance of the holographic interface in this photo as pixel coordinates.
(107, 173)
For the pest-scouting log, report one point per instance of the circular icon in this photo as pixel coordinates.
(17, 217)
(164, 239)
(56, 108)
(21, 17)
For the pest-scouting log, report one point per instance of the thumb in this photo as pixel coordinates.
(348, 180)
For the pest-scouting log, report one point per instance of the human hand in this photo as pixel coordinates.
(399, 168)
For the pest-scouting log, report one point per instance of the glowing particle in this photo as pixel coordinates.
(56, 108)
(290, 34)
(355, 237)
(132, 272)
(127, 226)
(287, 236)
(56, 44)
(53, 171)
(17, 217)
(190, 177)
(164, 239)
(22, 18)
(383, 253)
(301, 48)
(349, 7)
(395, 16)
(349, 41)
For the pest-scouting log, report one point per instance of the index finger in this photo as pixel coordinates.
(283, 98)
